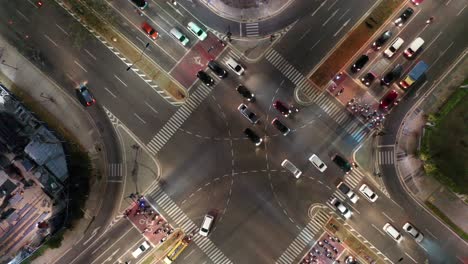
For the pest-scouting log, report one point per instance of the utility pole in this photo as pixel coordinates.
(139, 58)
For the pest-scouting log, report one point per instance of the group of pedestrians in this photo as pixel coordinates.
(326, 249)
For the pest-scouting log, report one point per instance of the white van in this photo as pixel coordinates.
(414, 47)
(291, 167)
(391, 231)
(206, 225)
(235, 66)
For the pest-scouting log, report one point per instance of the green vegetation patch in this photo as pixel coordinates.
(355, 40)
(444, 218)
(444, 147)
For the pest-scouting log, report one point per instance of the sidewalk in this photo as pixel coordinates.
(246, 10)
(27, 81)
(409, 167)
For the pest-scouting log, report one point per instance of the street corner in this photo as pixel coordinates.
(151, 223)
(327, 249)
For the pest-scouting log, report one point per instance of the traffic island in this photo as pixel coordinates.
(102, 29)
(358, 37)
(357, 248)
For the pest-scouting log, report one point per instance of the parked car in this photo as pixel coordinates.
(342, 163)
(392, 75)
(394, 47)
(205, 78)
(389, 100)
(341, 207)
(253, 136)
(197, 31)
(368, 78)
(410, 229)
(235, 66)
(282, 108)
(242, 90)
(216, 68)
(252, 117)
(379, 42)
(280, 126)
(149, 30)
(348, 192)
(291, 168)
(85, 96)
(368, 193)
(404, 16)
(360, 62)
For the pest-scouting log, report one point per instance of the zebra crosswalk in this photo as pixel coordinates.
(354, 178)
(163, 202)
(115, 172)
(352, 125)
(386, 157)
(305, 237)
(176, 121)
(252, 30)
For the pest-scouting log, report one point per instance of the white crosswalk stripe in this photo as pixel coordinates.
(160, 200)
(252, 30)
(304, 238)
(354, 178)
(386, 157)
(115, 169)
(176, 121)
(340, 195)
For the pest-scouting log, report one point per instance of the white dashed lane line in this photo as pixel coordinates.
(79, 65)
(152, 108)
(139, 118)
(120, 80)
(109, 91)
(53, 42)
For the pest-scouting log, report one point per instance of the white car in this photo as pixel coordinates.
(197, 31)
(348, 192)
(396, 45)
(179, 36)
(206, 225)
(291, 167)
(368, 193)
(235, 66)
(392, 232)
(142, 248)
(410, 229)
(340, 206)
(318, 163)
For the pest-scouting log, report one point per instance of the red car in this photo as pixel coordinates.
(417, 2)
(282, 108)
(389, 100)
(149, 30)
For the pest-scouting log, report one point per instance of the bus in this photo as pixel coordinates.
(175, 251)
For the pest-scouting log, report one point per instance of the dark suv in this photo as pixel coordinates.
(378, 43)
(282, 108)
(392, 75)
(242, 90)
(280, 126)
(85, 96)
(253, 136)
(142, 4)
(357, 66)
(205, 78)
(342, 163)
(216, 68)
(404, 16)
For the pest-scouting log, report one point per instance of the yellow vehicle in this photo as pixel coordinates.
(175, 251)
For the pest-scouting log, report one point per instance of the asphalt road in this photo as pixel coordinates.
(209, 166)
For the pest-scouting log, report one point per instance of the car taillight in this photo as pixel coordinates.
(39, 3)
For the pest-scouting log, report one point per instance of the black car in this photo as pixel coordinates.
(378, 43)
(214, 66)
(404, 16)
(142, 4)
(282, 108)
(342, 163)
(357, 66)
(84, 96)
(368, 78)
(205, 78)
(253, 136)
(242, 90)
(280, 126)
(392, 75)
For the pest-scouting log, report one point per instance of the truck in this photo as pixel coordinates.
(414, 75)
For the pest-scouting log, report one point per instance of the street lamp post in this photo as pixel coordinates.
(141, 55)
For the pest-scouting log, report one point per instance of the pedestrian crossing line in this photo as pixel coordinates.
(233, 55)
(176, 121)
(252, 29)
(115, 169)
(386, 157)
(340, 195)
(354, 178)
(162, 201)
(303, 239)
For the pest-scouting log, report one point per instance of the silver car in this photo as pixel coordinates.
(252, 117)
